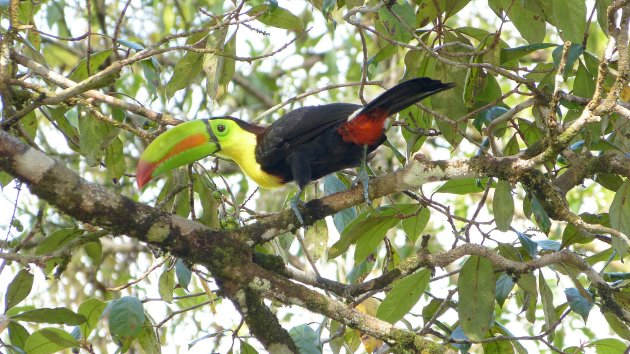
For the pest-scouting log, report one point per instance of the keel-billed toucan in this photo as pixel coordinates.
(303, 145)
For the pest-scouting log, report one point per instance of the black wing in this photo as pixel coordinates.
(299, 127)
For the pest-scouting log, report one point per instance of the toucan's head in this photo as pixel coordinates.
(192, 141)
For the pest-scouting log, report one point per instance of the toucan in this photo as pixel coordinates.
(302, 146)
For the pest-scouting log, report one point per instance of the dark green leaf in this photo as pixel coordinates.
(503, 205)
(530, 24)
(57, 240)
(617, 325)
(49, 340)
(18, 289)
(509, 54)
(306, 339)
(486, 116)
(476, 297)
(57, 315)
(126, 316)
(504, 287)
(394, 27)
(80, 72)
(115, 159)
(498, 347)
(404, 295)
(184, 72)
(546, 297)
(279, 18)
(373, 231)
(580, 303)
(17, 334)
(148, 339)
(92, 309)
(528, 244)
(573, 235)
(608, 346)
(183, 273)
(541, 216)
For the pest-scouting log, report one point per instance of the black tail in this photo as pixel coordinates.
(405, 94)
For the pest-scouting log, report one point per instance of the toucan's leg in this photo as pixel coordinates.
(363, 177)
(295, 202)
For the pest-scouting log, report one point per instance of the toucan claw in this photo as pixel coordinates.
(295, 203)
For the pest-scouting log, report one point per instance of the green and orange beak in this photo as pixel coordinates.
(179, 146)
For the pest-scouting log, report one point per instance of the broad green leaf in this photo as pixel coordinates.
(403, 296)
(571, 17)
(279, 17)
(396, 29)
(460, 186)
(616, 325)
(49, 340)
(183, 273)
(247, 348)
(509, 54)
(530, 24)
(504, 287)
(608, 346)
(92, 309)
(94, 250)
(620, 216)
(584, 84)
(574, 53)
(148, 339)
(498, 347)
(316, 239)
(80, 72)
(94, 137)
(57, 315)
(306, 339)
(541, 216)
(18, 289)
(57, 240)
(17, 334)
(377, 228)
(359, 271)
(476, 294)
(166, 285)
(503, 205)
(213, 63)
(602, 17)
(185, 71)
(546, 298)
(528, 244)
(126, 316)
(485, 117)
(115, 160)
(414, 225)
(332, 184)
(573, 235)
(579, 303)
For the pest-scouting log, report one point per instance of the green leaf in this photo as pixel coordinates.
(359, 227)
(546, 297)
(580, 303)
(414, 225)
(541, 216)
(404, 295)
(115, 160)
(166, 285)
(616, 325)
(126, 316)
(92, 309)
(17, 334)
(316, 239)
(183, 273)
(528, 244)
(503, 205)
(306, 339)
(530, 24)
(458, 334)
(57, 240)
(476, 293)
(279, 17)
(185, 71)
(247, 348)
(571, 17)
(18, 289)
(498, 347)
(332, 184)
(460, 186)
(80, 72)
(373, 230)
(608, 346)
(5, 179)
(57, 315)
(213, 63)
(486, 116)
(148, 339)
(573, 235)
(620, 216)
(503, 288)
(94, 137)
(509, 54)
(49, 340)
(395, 28)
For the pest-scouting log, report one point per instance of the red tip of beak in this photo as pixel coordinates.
(143, 172)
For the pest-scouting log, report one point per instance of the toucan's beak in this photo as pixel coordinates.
(179, 146)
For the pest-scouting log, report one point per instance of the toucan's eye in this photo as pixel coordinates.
(221, 128)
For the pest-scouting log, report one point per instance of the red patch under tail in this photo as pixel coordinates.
(364, 129)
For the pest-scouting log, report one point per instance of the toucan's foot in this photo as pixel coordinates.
(295, 202)
(364, 179)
